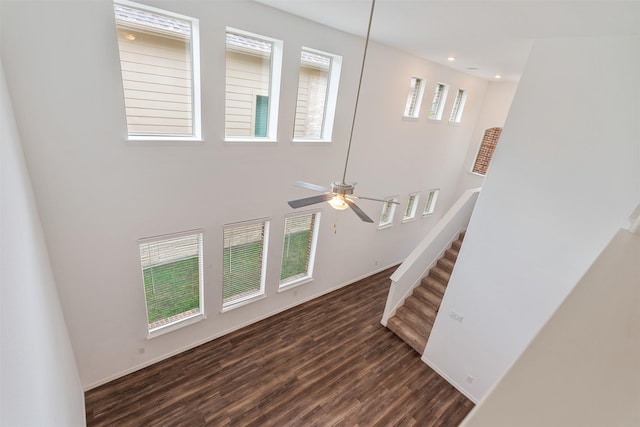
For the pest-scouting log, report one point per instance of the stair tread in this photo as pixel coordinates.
(416, 322)
(446, 264)
(434, 284)
(425, 312)
(408, 335)
(440, 274)
(452, 254)
(428, 295)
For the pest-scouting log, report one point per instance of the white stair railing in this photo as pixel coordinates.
(428, 251)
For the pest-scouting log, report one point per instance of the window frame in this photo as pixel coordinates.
(289, 282)
(437, 108)
(392, 206)
(430, 203)
(414, 113)
(486, 150)
(458, 107)
(411, 208)
(260, 293)
(275, 77)
(196, 104)
(331, 97)
(188, 319)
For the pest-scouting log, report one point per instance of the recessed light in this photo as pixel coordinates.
(472, 68)
(129, 36)
(451, 58)
(498, 76)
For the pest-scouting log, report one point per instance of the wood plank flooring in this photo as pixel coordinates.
(328, 362)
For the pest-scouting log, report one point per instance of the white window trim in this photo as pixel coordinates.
(382, 226)
(195, 75)
(457, 118)
(263, 272)
(189, 320)
(441, 102)
(274, 88)
(291, 283)
(331, 101)
(430, 203)
(414, 207)
(418, 104)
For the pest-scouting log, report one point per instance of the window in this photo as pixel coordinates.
(252, 86)
(458, 106)
(430, 206)
(388, 211)
(412, 206)
(160, 72)
(244, 261)
(414, 100)
(298, 252)
(172, 278)
(439, 98)
(485, 153)
(317, 95)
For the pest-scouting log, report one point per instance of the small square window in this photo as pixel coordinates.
(414, 99)
(388, 212)
(430, 205)
(317, 95)
(458, 106)
(253, 65)
(244, 262)
(439, 99)
(172, 278)
(411, 208)
(299, 247)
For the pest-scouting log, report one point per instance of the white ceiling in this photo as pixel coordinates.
(486, 37)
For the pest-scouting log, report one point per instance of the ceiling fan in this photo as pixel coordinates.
(340, 195)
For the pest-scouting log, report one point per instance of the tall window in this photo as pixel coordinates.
(414, 99)
(458, 106)
(244, 261)
(430, 205)
(252, 86)
(388, 212)
(298, 252)
(160, 72)
(411, 208)
(317, 95)
(172, 277)
(437, 104)
(485, 153)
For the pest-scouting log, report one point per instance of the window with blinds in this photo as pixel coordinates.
(437, 104)
(172, 278)
(317, 95)
(410, 209)
(430, 205)
(160, 72)
(299, 247)
(414, 99)
(244, 261)
(485, 153)
(252, 85)
(388, 212)
(458, 106)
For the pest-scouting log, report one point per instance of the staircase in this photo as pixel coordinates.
(414, 320)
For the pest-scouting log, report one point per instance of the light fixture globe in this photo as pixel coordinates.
(337, 202)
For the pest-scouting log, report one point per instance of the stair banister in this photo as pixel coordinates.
(428, 251)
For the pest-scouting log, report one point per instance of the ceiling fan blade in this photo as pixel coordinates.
(375, 200)
(363, 216)
(299, 203)
(310, 186)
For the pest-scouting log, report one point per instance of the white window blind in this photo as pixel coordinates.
(252, 88)
(388, 212)
(410, 210)
(458, 106)
(172, 278)
(437, 104)
(430, 205)
(244, 261)
(160, 69)
(313, 90)
(300, 236)
(414, 99)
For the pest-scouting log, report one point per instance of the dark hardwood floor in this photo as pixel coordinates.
(328, 362)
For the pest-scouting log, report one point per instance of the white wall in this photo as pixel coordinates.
(583, 368)
(564, 179)
(99, 194)
(40, 384)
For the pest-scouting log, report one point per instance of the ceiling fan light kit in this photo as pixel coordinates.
(340, 194)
